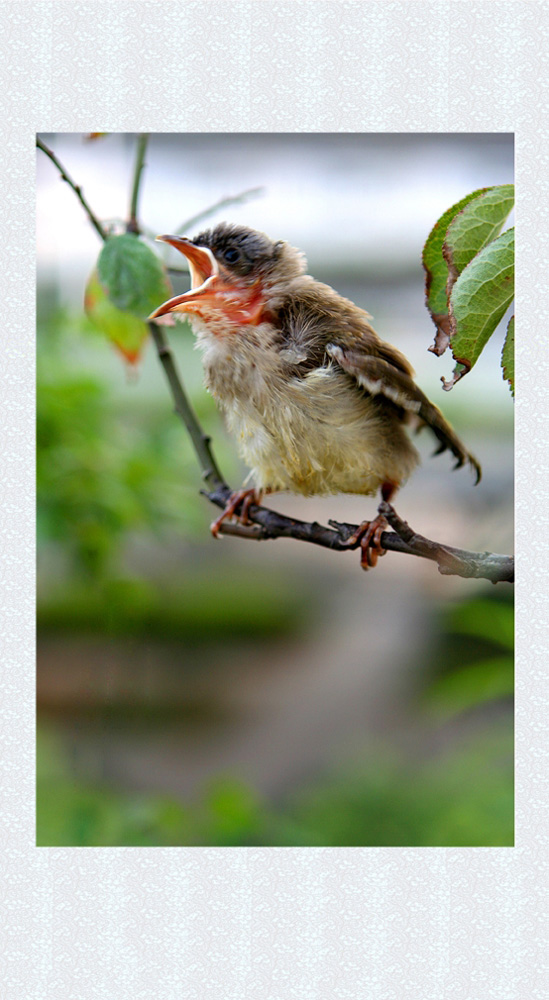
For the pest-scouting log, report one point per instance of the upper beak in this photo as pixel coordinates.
(204, 270)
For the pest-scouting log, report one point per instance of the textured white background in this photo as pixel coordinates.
(290, 923)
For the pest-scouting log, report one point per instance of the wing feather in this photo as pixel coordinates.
(379, 377)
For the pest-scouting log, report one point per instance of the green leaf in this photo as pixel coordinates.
(436, 268)
(475, 226)
(132, 276)
(508, 355)
(126, 332)
(480, 297)
(477, 219)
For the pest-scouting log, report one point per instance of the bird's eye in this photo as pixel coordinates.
(232, 255)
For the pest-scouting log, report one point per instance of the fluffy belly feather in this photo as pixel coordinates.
(319, 436)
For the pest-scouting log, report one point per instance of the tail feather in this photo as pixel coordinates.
(445, 434)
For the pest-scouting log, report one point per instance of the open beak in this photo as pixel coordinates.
(241, 304)
(204, 272)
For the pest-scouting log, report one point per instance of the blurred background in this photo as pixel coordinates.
(201, 692)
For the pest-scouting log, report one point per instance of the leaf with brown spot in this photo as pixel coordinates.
(125, 331)
(480, 298)
(436, 272)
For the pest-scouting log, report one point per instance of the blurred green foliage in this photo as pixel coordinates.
(111, 469)
(462, 798)
(202, 607)
(474, 660)
(107, 466)
(114, 466)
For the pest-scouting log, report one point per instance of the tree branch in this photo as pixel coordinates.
(201, 442)
(451, 561)
(142, 142)
(75, 187)
(267, 523)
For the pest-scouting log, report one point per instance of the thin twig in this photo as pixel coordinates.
(452, 561)
(75, 187)
(201, 442)
(142, 142)
(237, 199)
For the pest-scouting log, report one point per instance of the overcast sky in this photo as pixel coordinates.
(365, 197)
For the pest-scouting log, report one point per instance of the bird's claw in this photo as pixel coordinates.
(244, 497)
(369, 535)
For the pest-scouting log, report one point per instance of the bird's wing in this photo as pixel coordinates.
(379, 377)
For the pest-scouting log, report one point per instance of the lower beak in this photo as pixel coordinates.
(204, 272)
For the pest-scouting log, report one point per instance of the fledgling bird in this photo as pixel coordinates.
(318, 403)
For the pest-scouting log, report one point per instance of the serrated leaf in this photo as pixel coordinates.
(126, 332)
(132, 276)
(480, 297)
(436, 271)
(508, 355)
(474, 227)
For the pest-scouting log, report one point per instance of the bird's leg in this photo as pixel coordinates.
(244, 497)
(369, 533)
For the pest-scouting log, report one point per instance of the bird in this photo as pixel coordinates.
(318, 403)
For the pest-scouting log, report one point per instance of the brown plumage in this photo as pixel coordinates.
(318, 403)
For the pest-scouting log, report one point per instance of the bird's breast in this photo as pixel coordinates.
(312, 434)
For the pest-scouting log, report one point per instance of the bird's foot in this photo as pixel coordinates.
(244, 497)
(369, 535)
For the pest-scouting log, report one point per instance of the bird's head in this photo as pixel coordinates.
(237, 275)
